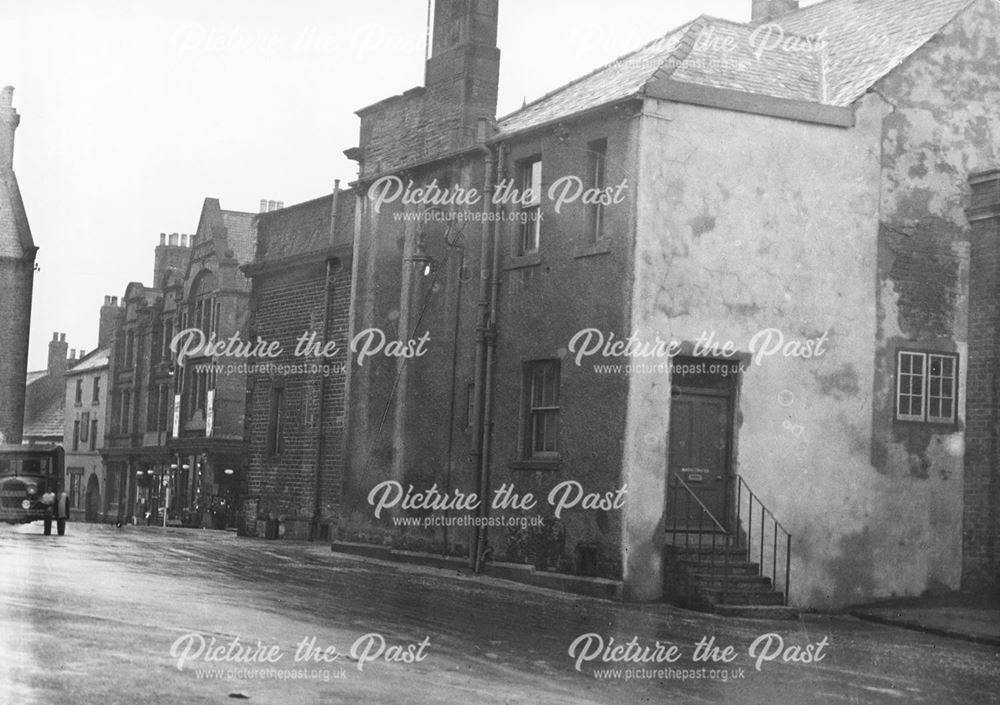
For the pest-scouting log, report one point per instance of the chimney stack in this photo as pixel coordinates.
(463, 70)
(171, 253)
(9, 120)
(58, 350)
(108, 321)
(767, 10)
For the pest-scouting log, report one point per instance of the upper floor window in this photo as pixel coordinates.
(163, 408)
(93, 434)
(96, 396)
(85, 427)
(926, 386)
(78, 398)
(168, 334)
(204, 309)
(129, 350)
(597, 153)
(126, 409)
(541, 409)
(530, 187)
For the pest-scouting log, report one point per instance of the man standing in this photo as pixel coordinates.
(58, 503)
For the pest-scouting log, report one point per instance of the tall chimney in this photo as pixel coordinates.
(767, 10)
(9, 120)
(463, 71)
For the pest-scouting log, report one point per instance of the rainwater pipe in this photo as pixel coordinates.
(331, 265)
(481, 419)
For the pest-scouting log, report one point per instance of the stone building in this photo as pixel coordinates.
(210, 296)
(17, 271)
(176, 434)
(86, 418)
(300, 300)
(726, 278)
(135, 457)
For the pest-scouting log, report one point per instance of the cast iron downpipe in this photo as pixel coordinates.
(455, 333)
(477, 455)
(491, 344)
(327, 301)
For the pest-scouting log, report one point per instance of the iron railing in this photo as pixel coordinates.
(758, 536)
(764, 537)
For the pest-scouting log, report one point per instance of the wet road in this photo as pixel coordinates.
(108, 616)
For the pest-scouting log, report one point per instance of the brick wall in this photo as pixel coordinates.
(289, 299)
(982, 480)
(402, 421)
(16, 277)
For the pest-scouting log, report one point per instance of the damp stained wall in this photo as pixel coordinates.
(747, 223)
(942, 127)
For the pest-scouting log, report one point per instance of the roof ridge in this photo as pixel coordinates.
(825, 3)
(683, 49)
(587, 75)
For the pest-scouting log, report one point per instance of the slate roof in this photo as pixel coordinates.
(94, 361)
(620, 79)
(841, 48)
(240, 234)
(35, 376)
(48, 422)
(869, 38)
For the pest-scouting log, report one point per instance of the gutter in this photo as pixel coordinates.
(742, 102)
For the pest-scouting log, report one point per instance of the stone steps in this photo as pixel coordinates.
(724, 581)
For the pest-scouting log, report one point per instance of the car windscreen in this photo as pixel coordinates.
(21, 464)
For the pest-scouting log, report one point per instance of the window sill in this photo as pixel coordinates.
(592, 249)
(553, 464)
(937, 426)
(532, 259)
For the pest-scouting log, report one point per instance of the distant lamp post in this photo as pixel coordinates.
(420, 260)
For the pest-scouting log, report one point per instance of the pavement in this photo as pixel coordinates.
(972, 617)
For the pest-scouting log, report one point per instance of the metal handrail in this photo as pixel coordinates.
(777, 529)
(743, 538)
(701, 504)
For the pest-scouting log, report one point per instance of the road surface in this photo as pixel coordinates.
(146, 615)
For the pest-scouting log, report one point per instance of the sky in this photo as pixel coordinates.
(132, 113)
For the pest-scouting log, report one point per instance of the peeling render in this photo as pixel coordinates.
(859, 233)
